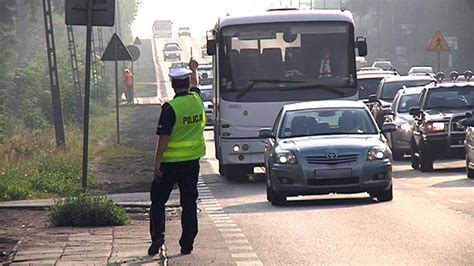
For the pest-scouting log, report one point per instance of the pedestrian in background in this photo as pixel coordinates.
(180, 146)
(128, 85)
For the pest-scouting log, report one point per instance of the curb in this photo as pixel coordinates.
(44, 206)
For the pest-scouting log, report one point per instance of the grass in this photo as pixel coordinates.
(87, 210)
(32, 167)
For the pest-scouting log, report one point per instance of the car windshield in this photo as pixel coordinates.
(368, 87)
(383, 65)
(260, 59)
(390, 89)
(407, 102)
(326, 122)
(421, 70)
(205, 75)
(207, 95)
(171, 48)
(450, 98)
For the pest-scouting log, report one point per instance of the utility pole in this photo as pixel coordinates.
(53, 75)
(75, 74)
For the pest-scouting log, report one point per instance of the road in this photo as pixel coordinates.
(430, 220)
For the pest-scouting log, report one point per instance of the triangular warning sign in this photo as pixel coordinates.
(438, 43)
(115, 50)
(137, 41)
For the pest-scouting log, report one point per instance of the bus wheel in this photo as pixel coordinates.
(237, 172)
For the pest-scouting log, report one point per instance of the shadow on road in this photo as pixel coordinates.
(298, 204)
(459, 183)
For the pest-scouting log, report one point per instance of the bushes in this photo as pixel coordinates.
(87, 210)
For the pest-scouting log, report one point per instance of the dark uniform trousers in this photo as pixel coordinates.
(186, 175)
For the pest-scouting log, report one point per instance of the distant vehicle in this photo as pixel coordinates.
(469, 144)
(368, 82)
(400, 140)
(171, 51)
(162, 29)
(264, 61)
(420, 71)
(438, 131)
(385, 65)
(184, 31)
(388, 88)
(369, 68)
(205, 74)
(361, 62)
(207, 95)
(178, 65)
(324, 147)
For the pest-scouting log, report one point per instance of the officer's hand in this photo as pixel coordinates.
(193, 64)
(157, 170)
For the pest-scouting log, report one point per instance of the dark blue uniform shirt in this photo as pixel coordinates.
(168, 116)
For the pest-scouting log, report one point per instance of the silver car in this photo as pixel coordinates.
(207, 98)
(400, 140)
(327, 147)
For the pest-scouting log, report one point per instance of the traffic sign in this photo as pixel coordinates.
(103, 12)
(115, 50)
(137, 41)
(438, 43)
(134, 52)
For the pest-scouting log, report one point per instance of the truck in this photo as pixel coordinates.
(264, 61)
(162, 29)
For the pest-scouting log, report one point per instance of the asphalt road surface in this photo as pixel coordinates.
(430, 220)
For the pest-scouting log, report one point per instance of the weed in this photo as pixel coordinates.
(87, 210)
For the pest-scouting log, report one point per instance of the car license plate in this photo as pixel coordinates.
(333, 173)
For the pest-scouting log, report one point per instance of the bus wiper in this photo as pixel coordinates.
(318, 86)
(255, 81)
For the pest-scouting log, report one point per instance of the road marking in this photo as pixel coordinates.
(236, 241)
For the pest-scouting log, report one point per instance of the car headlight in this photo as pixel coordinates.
(433, 127)
(376, 153)
(286, 158)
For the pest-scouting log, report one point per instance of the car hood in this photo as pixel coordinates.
(332, 143)
(385, 103)
(404, 118)
(445, 114)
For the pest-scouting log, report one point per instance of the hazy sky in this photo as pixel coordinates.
(199, 15)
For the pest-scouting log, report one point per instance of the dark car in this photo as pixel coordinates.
(326, 147)
(438, 131)
(399, 140)
(469, 144)
(368, 82)
(388, 88)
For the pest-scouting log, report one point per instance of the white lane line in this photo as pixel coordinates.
(237, 243)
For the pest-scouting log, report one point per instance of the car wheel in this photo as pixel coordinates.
(384, 196)
(277, 198)
(426, 161)
(415, 161)
(269, 193)
(470, 172)
(221, 169)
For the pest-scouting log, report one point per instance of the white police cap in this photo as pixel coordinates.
(179, 73)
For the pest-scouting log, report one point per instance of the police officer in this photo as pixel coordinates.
(180, 145)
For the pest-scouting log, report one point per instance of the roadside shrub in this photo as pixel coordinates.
(13, 192)
(87, 210)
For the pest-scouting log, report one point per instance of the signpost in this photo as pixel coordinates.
(116, 51)
(89, 13)
(438, 44)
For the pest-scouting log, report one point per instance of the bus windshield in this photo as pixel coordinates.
(287, 62)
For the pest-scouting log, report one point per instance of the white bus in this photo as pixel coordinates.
(162, 29)
(262, 62)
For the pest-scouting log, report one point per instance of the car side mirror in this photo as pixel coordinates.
(468, 122)
(373, 98)
(388, 127)
(265, 133)
(468, 115)
(415, 111)
(361, 44)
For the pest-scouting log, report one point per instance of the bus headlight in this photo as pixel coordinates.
(236, 148)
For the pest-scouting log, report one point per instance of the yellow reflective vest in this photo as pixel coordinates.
(187, 136)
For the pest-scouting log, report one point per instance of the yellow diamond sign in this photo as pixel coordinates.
(438, 43)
